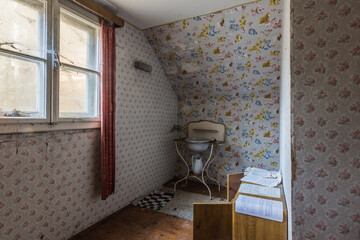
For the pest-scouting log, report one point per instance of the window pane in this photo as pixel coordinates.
(79, 94)
(22, 26)
(78, 42)
(22, 88)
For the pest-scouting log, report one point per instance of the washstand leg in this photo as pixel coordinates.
(188, 169)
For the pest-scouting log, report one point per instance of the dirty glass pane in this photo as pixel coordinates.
(22, 88)
(78, 42)
(22, 26)
(79, 94)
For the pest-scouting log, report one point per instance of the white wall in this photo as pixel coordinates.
(285, 113)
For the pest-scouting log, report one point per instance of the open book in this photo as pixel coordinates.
(259, 207)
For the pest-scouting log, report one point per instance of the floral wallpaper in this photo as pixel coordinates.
(326, 116)
(225, 67)
(50, 182)
(146, 112)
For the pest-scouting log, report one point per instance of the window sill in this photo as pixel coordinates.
(10, 128)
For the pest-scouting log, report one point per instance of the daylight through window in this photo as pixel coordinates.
(49, 70)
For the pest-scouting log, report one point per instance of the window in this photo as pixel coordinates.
(23, 59)
(49, 69)
(79, 75)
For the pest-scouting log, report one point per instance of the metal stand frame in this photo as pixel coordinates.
(204, 170)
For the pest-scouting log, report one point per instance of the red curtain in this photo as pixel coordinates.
(108, 74)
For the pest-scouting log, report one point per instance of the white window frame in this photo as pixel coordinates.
(52, 121)
(47, 71)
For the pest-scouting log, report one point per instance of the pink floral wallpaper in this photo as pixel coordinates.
(146, 112)
(49, 184)
(225, 67)
(326, 116)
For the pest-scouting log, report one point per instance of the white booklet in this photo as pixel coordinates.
(259, 190)
(259, 207)
(262, 177)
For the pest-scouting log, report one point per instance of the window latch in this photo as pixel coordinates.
(57, 62)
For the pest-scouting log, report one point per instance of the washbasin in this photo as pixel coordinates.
(197, 144)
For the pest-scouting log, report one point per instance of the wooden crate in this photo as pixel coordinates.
(219, 221)
(246, 227)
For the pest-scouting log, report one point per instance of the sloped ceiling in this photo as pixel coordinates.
(231, 52)
(145, 14)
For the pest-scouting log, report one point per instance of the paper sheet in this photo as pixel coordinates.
(259, 190)
(259, 207)
(263, 177)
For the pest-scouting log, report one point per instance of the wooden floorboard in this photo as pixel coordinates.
(134, 223)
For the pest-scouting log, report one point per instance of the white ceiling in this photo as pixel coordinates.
(150, 13)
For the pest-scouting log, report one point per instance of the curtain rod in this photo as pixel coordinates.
(101, 11)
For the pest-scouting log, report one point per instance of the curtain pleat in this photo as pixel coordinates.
(108, 74)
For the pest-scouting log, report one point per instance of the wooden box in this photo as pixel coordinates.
(219, 221)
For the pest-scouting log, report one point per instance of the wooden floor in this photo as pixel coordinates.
(137, 223)
(132, 223)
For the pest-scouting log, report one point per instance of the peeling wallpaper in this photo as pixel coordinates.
(225, 67)
(326, 115)
(50, 182)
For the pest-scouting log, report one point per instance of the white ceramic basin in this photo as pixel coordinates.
(197, 144)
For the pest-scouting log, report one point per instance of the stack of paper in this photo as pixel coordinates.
(259, 190)
(259, 207)
(263, 177)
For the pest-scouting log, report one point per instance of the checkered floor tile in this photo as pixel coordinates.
(155, 200)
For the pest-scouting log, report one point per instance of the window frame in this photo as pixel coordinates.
(52, 120)
(47, 60)
(91, 18)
